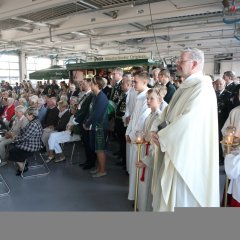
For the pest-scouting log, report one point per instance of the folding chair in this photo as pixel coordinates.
(4, 189)
(33, 168)
(75, 138)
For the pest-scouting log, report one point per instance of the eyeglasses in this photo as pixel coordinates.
(182, 61)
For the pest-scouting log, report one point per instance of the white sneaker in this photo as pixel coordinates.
(98, 174)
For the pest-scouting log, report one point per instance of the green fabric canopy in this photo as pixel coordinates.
(53, 73)
(110, 64)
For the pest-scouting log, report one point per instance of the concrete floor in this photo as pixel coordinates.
(69, 188)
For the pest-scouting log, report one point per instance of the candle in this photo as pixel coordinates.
(229, 139)
(229, 136)
(139, 137)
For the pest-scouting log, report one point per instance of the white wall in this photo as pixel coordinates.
(230, 66)
(227, 65)
(209, 68)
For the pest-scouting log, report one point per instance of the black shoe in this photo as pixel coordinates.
(81, 164)
(43, 150)
(19, 172)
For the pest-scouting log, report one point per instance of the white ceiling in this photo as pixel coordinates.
(79, 29)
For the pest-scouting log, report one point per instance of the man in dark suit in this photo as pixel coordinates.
(116, 92)
(81, 115)
(224, 107)
(117, 74)
(120, 129)
(228, 76)
(164, 78)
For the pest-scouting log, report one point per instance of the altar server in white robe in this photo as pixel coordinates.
(232, 168)
(130, 103)
(189, 172)
(154, 100)
(140, 112)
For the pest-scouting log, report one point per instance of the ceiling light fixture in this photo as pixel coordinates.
(79, 33)
(88, 4)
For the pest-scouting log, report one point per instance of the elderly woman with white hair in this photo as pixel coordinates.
(19, 123)
(28, 141)
(33, 101)
(56, 138)
(62, 120)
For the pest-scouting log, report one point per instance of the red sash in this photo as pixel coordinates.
(143, 170)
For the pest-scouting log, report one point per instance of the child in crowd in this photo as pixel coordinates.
(154, 99)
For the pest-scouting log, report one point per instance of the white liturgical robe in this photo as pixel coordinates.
(186, 168)
(232, 168)
(140, 113)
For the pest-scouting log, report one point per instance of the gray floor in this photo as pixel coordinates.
(69, 188)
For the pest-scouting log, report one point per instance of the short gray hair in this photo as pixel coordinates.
(32, 111)
(33, 98)
(10, 100)
(156, 70)
(196, 55)
(21, 109)
(64, 98)
(118, 70)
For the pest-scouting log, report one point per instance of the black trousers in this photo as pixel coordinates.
(121, 131)
(91, 156)
(19, 155)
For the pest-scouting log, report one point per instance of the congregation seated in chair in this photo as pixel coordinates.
(27, 142)
(56, 138)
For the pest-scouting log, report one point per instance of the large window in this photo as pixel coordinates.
(9, 68)
(34, 64)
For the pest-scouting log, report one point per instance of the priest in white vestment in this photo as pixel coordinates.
(186, 168)
(140, 112)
